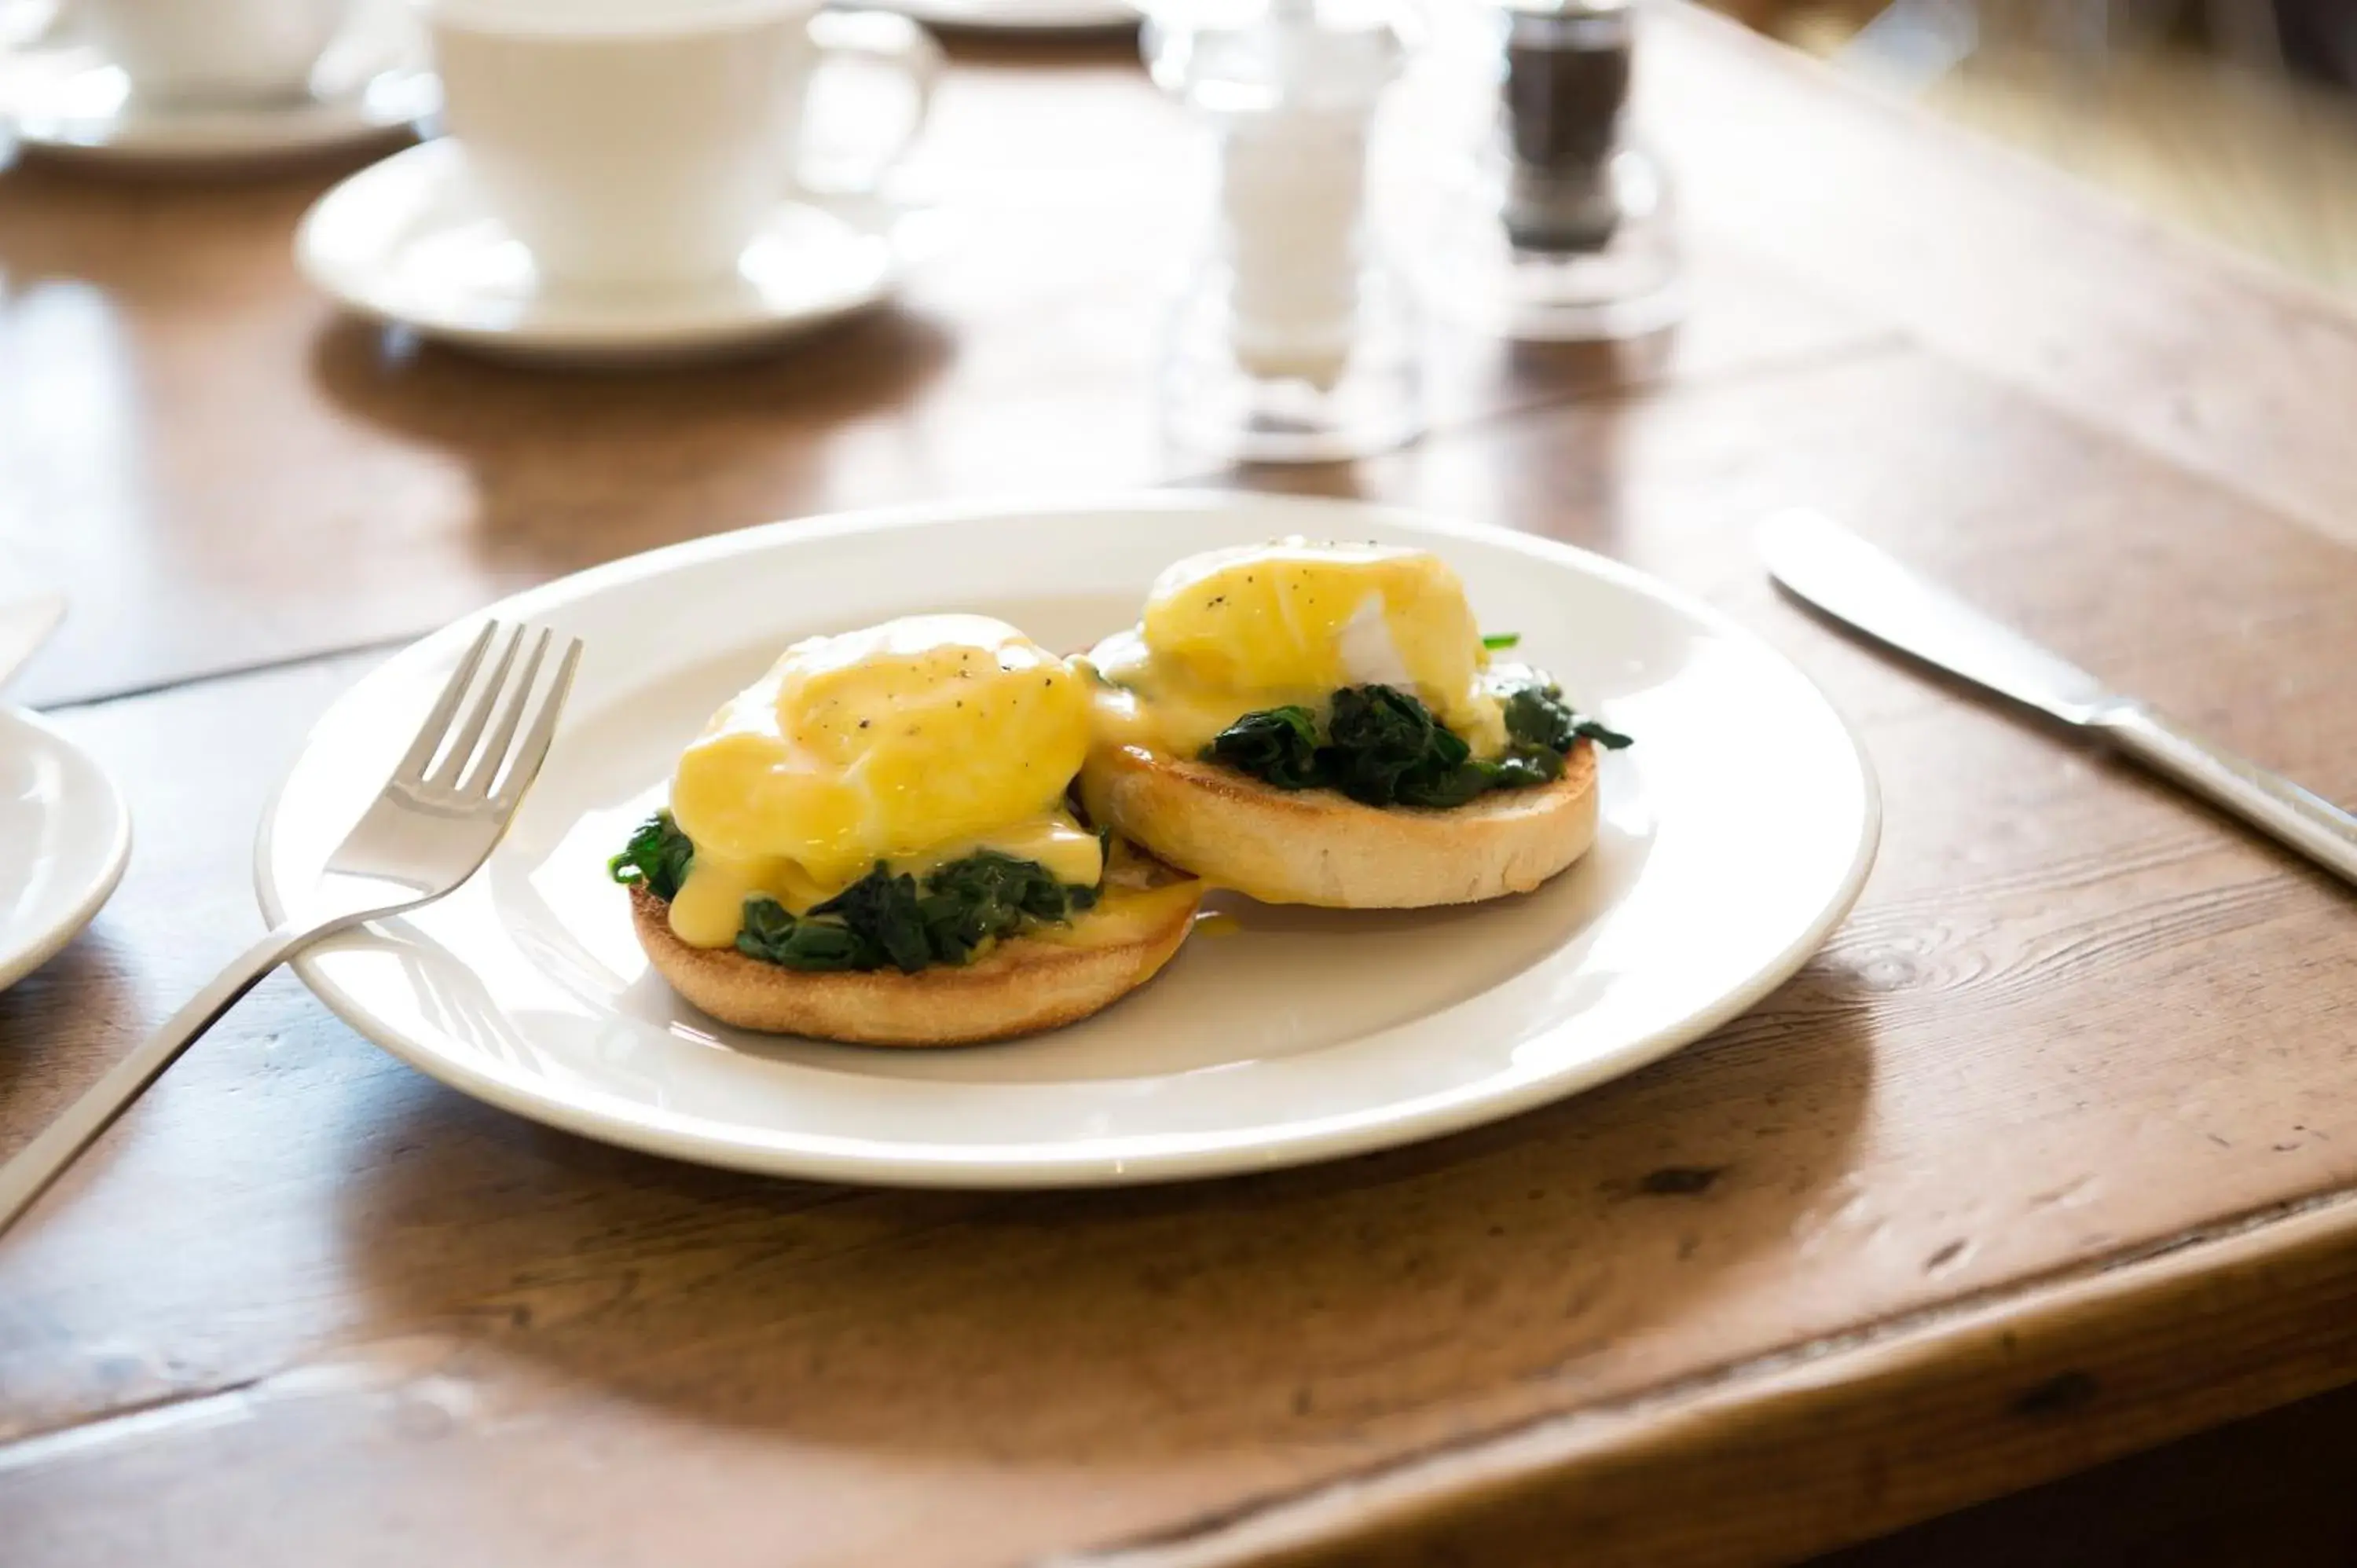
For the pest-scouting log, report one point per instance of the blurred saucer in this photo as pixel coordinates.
(412, 241)
(67, 98)
(1019, 16)
(64, 837)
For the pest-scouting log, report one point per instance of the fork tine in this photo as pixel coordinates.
(437, 723)
(454, 760)
(534, 750)
(478, 779)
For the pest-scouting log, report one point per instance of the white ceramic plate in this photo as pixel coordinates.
(1304, 1036)
(64, 837)
(411, 240)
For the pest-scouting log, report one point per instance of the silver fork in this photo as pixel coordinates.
(432, 825)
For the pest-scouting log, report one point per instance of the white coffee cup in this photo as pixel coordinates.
(644, 143)
(213, 51)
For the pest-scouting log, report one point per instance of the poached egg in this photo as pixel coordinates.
(914, 743)
(1234, 631)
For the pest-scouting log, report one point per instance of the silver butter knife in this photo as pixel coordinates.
(25, 625)
(1842, 574)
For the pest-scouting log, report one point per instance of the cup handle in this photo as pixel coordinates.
(897, 44)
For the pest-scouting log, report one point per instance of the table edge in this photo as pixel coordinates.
(1823, 1443)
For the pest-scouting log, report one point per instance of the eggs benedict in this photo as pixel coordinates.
(872, 843)
(1322, 724)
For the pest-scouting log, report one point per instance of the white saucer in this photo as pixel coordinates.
(1019, 16)
(65, 98)
(1304, 1035)
(411, 240)
(64, 837)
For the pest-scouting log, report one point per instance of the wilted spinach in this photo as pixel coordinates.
(1278, 744)
(657, 855)
(886, 919)
(1383, 747)
(1538, 717)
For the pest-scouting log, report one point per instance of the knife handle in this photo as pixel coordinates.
(2267, 801)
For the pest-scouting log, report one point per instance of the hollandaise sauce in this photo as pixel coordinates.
(1285, 624)
(916, 744)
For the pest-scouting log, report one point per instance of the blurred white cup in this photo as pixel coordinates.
(213, 51)
(644, 143)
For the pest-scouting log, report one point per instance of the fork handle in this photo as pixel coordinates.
(42, 1161)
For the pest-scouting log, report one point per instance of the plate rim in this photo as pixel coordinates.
(1208, 1156)
(1078, 19)
(17, 965)
(225, 133)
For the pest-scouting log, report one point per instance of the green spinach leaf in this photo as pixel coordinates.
(1538, 716)
(1383, 747)
(882, 909)
(987, 895)
(776, 936)
(657, 855)
(1278, 745)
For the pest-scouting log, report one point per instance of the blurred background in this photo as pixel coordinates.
(2235, 118)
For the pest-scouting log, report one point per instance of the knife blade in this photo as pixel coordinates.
(1842, 574)
(25, 625)
(1827, 565)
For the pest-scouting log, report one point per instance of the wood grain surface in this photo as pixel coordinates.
(2047, 1156)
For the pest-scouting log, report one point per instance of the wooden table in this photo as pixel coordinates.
(2050, 1156)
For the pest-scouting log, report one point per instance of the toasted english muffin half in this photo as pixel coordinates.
(1318, 847)
(1042, 981)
